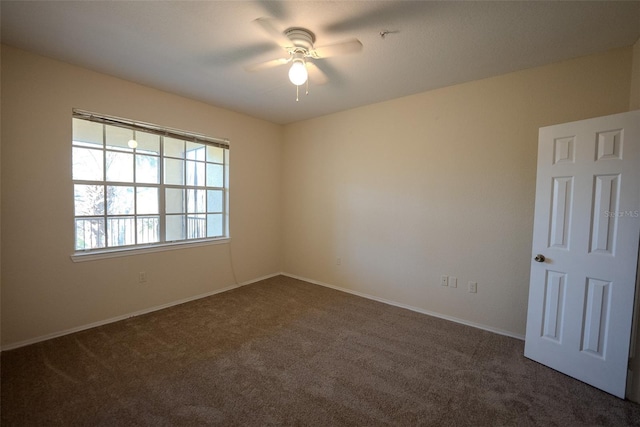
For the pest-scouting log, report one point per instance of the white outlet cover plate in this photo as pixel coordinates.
(473, 287)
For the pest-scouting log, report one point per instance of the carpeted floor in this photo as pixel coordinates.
(285, 352)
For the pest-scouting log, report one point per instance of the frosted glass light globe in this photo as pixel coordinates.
(298, 73)
(132, 143)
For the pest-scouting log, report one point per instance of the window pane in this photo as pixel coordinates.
(146, 200)
(119, 167)
(196, 226)
(215, 154)
(214, 225)
(88, 199)
(195, 173)
(163, 190)
(89, 233)
(175, 228)
(196, 201)
(119, 200)
(173, 172)
(87, 133)
(148, 229)
(173, 147)
(147, 143)
(215, 175)
(174, 200)
(147, 170)
(121, 231)
(214, 201)
(118, 138)
(87, 164)
(195, 151)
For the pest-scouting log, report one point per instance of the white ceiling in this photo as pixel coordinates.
(200, 49)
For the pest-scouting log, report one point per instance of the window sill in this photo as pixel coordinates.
(122, 252)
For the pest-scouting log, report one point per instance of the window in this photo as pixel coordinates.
(139, 185)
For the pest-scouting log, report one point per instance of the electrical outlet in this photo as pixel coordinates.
(142, 277)
(444, 281)
(338, 261)
(453, 282)
(473, 287)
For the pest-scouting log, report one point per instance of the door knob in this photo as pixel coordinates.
(539, 258)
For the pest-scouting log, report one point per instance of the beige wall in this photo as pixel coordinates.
(634, 95)
(0, 198)
(403, 191)
(43, 291)
(633, 387)
(437, 183)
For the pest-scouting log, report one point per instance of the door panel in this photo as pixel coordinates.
(561, 212)
(587, 226)
(553, 305)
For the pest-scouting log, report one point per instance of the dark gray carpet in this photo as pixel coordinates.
(285, 352)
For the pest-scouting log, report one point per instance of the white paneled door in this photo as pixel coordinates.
(585, 249)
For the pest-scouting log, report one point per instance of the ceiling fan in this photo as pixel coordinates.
(298, 43)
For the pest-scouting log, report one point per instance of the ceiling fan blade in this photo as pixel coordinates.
(316, 75)
(268, 64)
(269, 27)
(350, 46)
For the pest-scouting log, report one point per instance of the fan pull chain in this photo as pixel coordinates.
(298, 91)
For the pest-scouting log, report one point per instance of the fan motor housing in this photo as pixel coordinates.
(301, 37)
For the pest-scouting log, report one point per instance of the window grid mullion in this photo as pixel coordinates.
(104, 186)
(162, 211)
(135, 194)
(185, 202)
(224, 191)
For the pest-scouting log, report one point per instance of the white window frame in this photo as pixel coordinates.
(162, 244)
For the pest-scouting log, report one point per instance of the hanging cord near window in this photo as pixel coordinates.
(233, 270)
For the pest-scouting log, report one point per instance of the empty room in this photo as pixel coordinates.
(319, 213)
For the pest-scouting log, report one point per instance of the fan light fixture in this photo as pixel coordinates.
(298, 72)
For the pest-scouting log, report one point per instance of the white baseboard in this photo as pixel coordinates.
(129, 315)
(248, 282)
(409, 307)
